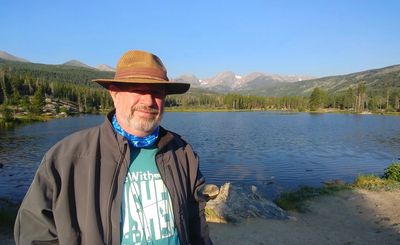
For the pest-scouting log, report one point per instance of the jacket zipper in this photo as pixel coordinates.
(179, 213)
(113, 184)
(174, 198)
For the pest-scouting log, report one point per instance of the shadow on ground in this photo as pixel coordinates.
(348, 217)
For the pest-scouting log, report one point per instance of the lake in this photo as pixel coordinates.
(275, 151)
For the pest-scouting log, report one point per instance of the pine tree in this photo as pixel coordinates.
(3, 88)
(38, 101)
(361, 97)
(6, 113)
(318, 99)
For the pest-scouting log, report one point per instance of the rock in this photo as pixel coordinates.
(235, 203)
(62, 114)
(211, 191)
(254, 189)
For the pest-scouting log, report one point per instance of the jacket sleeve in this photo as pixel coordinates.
(35, 223)
(198, 230)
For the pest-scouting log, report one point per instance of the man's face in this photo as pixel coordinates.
(139, 107)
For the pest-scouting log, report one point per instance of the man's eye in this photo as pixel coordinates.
(155, 93)
(137, 91)
(159, 93)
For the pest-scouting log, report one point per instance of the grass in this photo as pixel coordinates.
(296, 200)
(389, 181)
(375, 183)
(22, 119)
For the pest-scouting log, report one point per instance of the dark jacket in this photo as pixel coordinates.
(75, 197)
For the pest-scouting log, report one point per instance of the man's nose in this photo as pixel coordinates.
(147, 99)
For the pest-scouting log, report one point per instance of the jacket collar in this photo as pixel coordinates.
(164, 137)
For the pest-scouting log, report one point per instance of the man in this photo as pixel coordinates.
(127, 181)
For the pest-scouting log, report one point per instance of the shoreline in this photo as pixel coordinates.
(355, 216)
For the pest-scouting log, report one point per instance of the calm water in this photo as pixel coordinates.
(275, 151)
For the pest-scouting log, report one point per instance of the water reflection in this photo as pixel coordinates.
(22, 148)
(297, 149)
(272, 150)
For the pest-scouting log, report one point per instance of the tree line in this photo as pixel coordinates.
(23, 89)
(357, 99)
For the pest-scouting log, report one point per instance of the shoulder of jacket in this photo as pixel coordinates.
(80, 135)
(76, 143)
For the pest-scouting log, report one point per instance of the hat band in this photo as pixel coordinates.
(140, 72)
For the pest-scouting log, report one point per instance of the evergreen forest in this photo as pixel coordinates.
(36, 89)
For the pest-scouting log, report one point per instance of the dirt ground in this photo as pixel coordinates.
(348, 217)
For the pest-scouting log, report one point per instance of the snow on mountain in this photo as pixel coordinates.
(192, 79)
(228, 81)
(104, 67)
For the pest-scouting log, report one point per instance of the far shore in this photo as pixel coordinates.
(24, 118)
(327, 110)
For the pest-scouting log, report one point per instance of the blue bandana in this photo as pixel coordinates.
(138, 142)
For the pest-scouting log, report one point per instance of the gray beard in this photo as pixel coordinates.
(143, 124)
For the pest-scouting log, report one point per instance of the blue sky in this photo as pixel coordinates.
(317, 38)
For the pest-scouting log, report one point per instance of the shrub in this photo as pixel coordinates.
(370, 182)
(64, 109)
(6, 113)
(392, 172)
(375, 183)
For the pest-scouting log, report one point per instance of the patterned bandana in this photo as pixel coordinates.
(138, 142)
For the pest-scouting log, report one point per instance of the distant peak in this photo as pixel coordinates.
(76, 63)
(188, 78)
(104, 67)
(7, 56)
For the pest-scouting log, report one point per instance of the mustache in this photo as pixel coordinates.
(145, 109)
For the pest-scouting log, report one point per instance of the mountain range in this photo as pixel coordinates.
(230, 82)
(259, 83)
(76, 63)
(262, 84)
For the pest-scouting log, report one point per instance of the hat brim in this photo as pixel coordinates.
(171, 87)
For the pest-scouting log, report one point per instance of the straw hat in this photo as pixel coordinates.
(137, 66)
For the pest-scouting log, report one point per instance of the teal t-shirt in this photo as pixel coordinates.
(147, 216)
